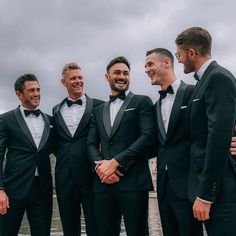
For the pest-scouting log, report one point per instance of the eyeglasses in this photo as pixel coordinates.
(177, 55)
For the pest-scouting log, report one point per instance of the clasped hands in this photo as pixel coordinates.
(107, 171)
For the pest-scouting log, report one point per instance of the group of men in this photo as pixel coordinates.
(102, 150)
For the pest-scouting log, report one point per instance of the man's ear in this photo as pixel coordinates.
(63, 81)
(107, 77)
(19, 94)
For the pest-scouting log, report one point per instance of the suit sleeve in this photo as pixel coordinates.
(220, 103)
(142, 145)
(93, 142)
(3, 145)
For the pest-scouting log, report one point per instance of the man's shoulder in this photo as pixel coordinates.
(142, 98)
(97, 102)
(8, 113)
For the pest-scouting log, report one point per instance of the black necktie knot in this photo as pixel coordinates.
(196, 77)
(121, 96)
(70, 102)
(33, 112)
(163, 93)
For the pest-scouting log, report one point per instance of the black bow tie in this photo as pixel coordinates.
(121, 96)
(33, 112)
(163, 93)
(196, 77)
(70, 102)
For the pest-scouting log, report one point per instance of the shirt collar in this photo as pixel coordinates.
(22, 108)
(83, 98)
(203, 68)
(175, 85)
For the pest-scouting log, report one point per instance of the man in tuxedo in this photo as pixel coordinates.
(210, 121)
(172, 146)
(121, 132)
(26, 140)
(73, 175)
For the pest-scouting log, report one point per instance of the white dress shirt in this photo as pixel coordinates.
(115, 107)
(36, 127)
(203, 68)
(72, 115)
(167, 104)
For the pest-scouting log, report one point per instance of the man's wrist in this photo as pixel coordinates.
(205, 201)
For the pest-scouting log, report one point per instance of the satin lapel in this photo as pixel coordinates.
(176, 109)
(106, 118)
(86, 116)
(202, 80)
(160, 120)
(46, 131)
(197, 87)
(121, 113)
(24, 126)
(59, 119)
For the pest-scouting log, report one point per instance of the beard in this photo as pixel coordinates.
(189, 66)
(118, 89)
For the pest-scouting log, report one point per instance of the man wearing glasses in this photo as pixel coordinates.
(210, 118)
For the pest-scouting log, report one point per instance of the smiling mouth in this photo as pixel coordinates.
(122, 82)
(151, 75)
(77, 86)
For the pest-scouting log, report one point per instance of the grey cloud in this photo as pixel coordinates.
(40, 37)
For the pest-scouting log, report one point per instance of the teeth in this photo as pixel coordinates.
(120, 82)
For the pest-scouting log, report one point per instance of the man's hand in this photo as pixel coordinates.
(4, 202)
(105, 168)
(233, 145)
(112, 179)
(201, 210)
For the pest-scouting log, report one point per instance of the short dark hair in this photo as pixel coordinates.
(197, 38)
(70, 66)
(116, 60)
(20, 82)
(162, 52)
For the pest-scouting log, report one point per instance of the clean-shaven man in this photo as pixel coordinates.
(173, 157)
(73, 175)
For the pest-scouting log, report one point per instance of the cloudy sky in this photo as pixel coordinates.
(41, 36)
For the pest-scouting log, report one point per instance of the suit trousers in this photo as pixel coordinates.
(70, 197)
(222, 219)
(111, 203)
(38, 211)
(176, 214)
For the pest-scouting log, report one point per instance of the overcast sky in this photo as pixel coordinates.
(39, 37)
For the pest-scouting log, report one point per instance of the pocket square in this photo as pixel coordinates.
(130, 109)
(196, 99)
(183, 107)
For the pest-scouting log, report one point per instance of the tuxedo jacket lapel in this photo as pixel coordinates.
(23, 126)
(60, 119)
(46, 131)
(197, 87)
(106, 115)
(121, 113)
(86, 116)
(160, 120)
(176, 109)
(106, 118)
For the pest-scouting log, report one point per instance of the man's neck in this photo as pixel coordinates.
(201, 61)
(72, 97)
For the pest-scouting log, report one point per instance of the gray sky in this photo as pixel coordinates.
(41, 36)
